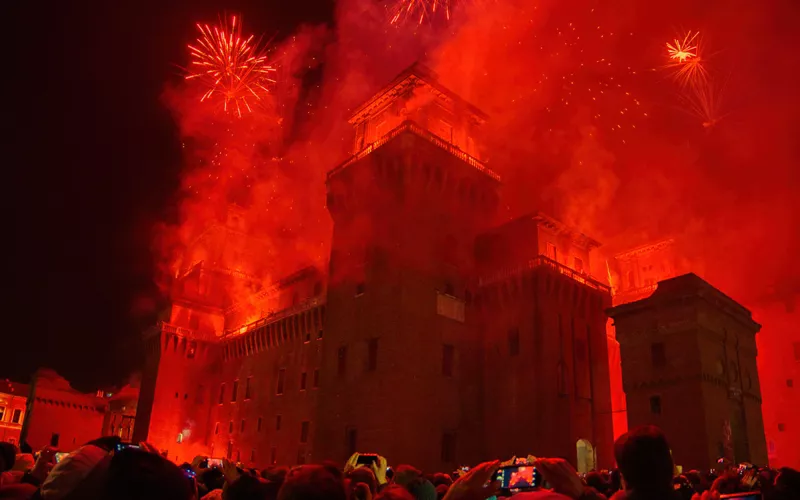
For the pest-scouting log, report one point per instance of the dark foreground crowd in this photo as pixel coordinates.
(105, 469)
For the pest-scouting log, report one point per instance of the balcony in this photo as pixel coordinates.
(163, 326)
(273, 317)
(542, 261)
(410, 126)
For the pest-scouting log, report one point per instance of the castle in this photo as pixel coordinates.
(435, 337)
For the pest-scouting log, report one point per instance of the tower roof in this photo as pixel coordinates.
(415, 75)
(685, 287)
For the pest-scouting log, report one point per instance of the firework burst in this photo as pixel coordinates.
(234, 69)
(697, 88)
(684, 58)
(683, 50)
(418, 11)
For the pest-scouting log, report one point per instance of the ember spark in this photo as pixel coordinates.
(232, 67)
(419, 10)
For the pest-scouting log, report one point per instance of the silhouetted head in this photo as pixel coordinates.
(644, 459)
(275, 473)
(139, 475)
(404, 474)
(363, 475)
(311, 482)
(394, 492)
(8, 455)
(250, 488)
(422, 489)
(212, 479)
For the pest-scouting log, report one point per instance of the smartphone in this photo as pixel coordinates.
(214, 463)
(518, 477)
(367, 459)
(60, 455)
(750, 495)
(122, 446)
(187, 470)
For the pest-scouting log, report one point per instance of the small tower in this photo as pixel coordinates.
(406, 208)
(689, 366)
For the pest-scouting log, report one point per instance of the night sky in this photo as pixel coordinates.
(95, 162)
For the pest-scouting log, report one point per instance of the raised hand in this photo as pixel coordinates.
(561, 476)
(379, 469)
(352, 463)
(477, 484)
(229, 470)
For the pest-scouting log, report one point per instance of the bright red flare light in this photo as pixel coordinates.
(232, 67)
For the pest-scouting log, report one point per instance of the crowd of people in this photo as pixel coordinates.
(107, 469)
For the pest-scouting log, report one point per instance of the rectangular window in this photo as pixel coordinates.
(273, 456)
(235, 391)
(316, 378)
(360, 289)
(248, 388)
(241, 428)
(658, 354)
(2, 412)
(655, 405)
(221, 393)
(789, 383)
(319, 334)
(513, 342)
(281, 380)
(303, 377)
(342, 361)
(448, 447)
(230, 427)
(253, 455)
(277, 422)
(350, 440)
(448, 353)
(258, 425)
(781, 427)
(796, 347)
(304, 431)
(372, 355)
(578, 265)
(216, 428)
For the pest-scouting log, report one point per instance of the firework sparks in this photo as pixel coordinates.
(684, 57)
(683, 50)
(419, 10)
(232, 67)
(698, 91)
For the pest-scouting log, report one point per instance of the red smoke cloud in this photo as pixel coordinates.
(584, 122)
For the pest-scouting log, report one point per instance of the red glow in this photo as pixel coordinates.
(580, 123)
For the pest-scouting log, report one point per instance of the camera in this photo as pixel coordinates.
(518, 477)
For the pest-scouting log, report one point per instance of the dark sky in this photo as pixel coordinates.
(95, 160)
